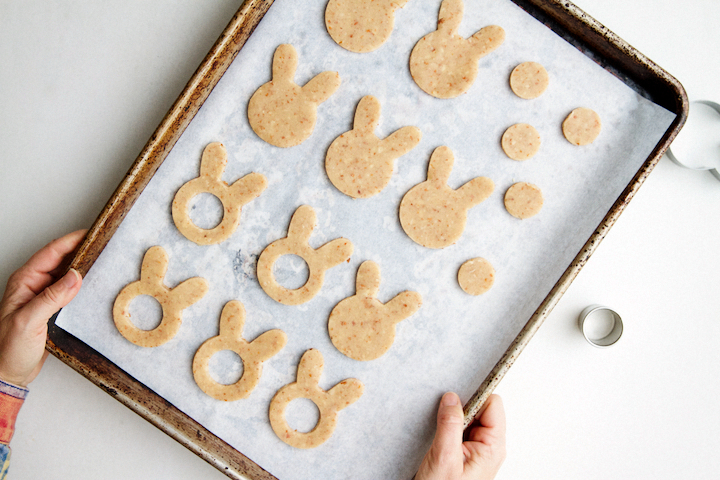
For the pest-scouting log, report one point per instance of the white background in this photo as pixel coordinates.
(83, 87)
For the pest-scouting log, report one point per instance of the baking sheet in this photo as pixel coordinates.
(454, 340)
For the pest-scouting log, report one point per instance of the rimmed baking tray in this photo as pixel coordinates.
(562, 17)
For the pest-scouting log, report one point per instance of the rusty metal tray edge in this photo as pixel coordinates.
(563, 17)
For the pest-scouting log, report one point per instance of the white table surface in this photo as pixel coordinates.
(83, 86)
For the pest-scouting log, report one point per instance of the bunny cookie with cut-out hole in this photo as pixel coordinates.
(361, 25)
(233, 197)
(329, 403)
(362, 327)
(333, 253)
(443, 63)
(252, 354)
(281, 112)
(433, 214)
(172, 300)
(358, 163)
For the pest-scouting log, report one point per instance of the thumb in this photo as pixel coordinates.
(447, 445)
(53, 298)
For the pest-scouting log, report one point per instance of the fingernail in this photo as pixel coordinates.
(70, 279)
(449, 399)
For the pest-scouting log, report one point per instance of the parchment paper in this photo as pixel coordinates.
(455, 339)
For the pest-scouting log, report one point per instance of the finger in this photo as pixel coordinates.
(449, 435)
(51, 255)
(38, 310)
(489, 425)
(30, 279)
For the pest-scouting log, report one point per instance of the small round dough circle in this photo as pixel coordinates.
(523, 200)
(529, 80)
(476, 276)
(582, 126)
(521, 141)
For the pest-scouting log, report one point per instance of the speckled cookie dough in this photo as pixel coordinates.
(172, 300)
(361, 25)
(523, 200)
(252, 354)
(329, 402)
(433, 214)
(476, 276)
(520, 142)
(233, 197)
(443, 63)
(529, 80)
(281, 112)
(582, 126)
(318, 260)
(358, 163)
(362, 327)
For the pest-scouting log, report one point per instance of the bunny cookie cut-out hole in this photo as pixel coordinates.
(329, 402)
(252, 354)
(281, 112)
(333, 253)
(443, 63)
(172, 301)
(358, 163)
(233, 197)
(433, 214)
(362, 327)
(361, 25)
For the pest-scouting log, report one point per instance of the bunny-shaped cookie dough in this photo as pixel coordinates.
(443, 63)
(328, 402)
(361, 25)
(362, 327)
(358, 163)
(433, 214)
(281, 112)
(252, 354)
(233, 197)
(172, 300)
(318, 260)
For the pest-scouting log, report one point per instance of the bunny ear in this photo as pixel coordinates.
(321, 86)
(249, 187)
(214, 160)
(367, 282)
(302, 223)
(367, 114)
(346, 392)
(336, 251)
(441, 164)
(285, 61)
(487, 39)
(450, 16)
(402, 141)
(475, 191)
(189, 291)
(404, 304)
(310, 367)
(268, 344)
(154, 265)
(232, 319)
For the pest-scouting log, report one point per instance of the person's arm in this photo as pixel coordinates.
(33, 294)
(479, 457)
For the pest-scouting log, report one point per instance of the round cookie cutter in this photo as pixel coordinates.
(715, 106)
(590, 313)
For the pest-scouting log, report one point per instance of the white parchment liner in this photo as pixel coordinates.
(455, 339)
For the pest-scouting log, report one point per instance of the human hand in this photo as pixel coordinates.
(478, 458)
(33, 295)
